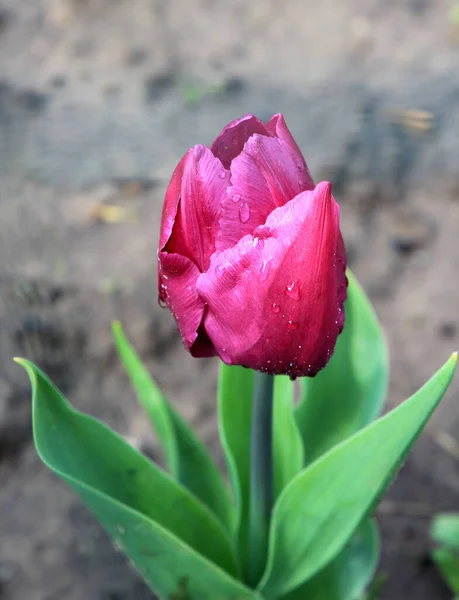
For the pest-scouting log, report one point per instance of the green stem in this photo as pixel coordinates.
(261, 474)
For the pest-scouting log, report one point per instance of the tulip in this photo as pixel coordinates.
(251, 261)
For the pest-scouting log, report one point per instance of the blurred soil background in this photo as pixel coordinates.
(98, 101)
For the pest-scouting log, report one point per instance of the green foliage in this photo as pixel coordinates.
(445, 532)
(187, 458)
(320, 509)
(185, 533)
(347, 575)
(171, 538)
(349, 393)
(235, 393)
(288, 453)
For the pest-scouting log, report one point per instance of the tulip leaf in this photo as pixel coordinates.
(167, 533)
(187, 458)
(448, 563)
(347, 576)
(288, 455)
(320, 509)
(349, 393)
(445, 530)
(235, 396)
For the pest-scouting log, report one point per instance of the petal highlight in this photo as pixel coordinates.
(197, 189)
(272, 299)
(264, 176)
(278, 127)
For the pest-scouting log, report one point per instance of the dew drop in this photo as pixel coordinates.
(226, 358)
(293, 290)
(236, 197)
(266, 269)
(258, 242)
(276, 308)
(244, 212)
(222, 175)
(292, 325)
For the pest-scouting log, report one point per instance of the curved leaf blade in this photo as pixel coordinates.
(235, 397)
(288, 453)
(448, 563)
(321, 508)
(349, 574)
(349, 393)
(187, 458)
(107, 471)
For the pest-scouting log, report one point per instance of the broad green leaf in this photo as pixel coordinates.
(288, 456)
(448, 563)
(320, 509)
(187, 458)
(445, 530)
(349, 393)
(160, 524)
(235, 393)
(347, 576)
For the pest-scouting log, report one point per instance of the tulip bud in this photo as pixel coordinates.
(251, 261)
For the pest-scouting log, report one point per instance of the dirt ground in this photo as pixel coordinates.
(98, 101)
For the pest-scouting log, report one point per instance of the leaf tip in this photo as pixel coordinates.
(23, 362)
(28, 366)
(116, 326)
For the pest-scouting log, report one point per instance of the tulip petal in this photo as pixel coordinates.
(193, 205)
(273, 298)
(171, 202)
(264, 176)
(278, 127)
(341, 278)
(177, 289)
(231, 140)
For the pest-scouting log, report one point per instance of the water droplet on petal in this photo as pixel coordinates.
(222, 175)
(236, 197)
(266, 268)
(293, 290)
(257, 242)
(226, 358)
(244, 212)
(292, 325)
(276, 308)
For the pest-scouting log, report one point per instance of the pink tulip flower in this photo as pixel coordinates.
(251, 261)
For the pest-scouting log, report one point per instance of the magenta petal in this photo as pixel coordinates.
(231, 140)
(171, 202)
(197, 189)
(264, 176)
(341, 278)
(273, 298)
(177, 277)
(278, 128)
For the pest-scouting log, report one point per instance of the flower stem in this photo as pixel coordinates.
(261, 474)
